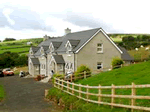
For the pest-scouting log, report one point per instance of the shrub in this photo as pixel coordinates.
(81, 69)
(116, 61)
(38, 78)
(60, 76)
(128, 39)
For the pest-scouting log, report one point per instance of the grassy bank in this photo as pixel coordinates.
(138, 73)
(1, 93)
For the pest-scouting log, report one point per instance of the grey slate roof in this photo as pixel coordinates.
(35, 49)
(125, 56)
(45, 48)
(77, 39)
(59, 59)
(35, 61)
(56, 44)
(74, 43)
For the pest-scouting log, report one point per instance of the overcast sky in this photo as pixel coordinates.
(34, 18)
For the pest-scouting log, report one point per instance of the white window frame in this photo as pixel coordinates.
(99, 65)
(101, 47)
(70, 66)
(51, 48)
(60, 67)
(67, 66)
(68, 45)
(37, 68)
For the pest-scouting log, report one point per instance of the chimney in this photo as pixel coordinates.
(67, 31)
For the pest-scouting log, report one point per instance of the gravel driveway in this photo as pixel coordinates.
(25, 95)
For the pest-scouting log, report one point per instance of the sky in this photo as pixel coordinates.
(22, 19)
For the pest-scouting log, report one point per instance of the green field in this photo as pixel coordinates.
(137, 73)
(19, 46)
(1, 93)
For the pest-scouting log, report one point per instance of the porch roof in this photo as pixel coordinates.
(35, 61)
(59, 59)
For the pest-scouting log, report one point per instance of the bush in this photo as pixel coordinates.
(128, 39)
(81, 69)
(116, 61)
(38, 78)
(60, 76)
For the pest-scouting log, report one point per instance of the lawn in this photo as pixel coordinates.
(13, 47)
(1, 93)
(137, 73)
(26, 49)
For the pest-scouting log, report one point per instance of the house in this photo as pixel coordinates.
(64, 54)
(29, 43)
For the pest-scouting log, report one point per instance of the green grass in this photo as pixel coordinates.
(1, 93)
(19, 45)
(117, 39)
(137, 73)
(141, 54)
(14, 46)
(16, 50)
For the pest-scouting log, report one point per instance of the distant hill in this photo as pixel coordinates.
(19, 46)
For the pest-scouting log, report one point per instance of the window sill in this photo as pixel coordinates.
(99, 52)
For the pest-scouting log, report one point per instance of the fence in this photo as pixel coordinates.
(83, 75)
(70, 88)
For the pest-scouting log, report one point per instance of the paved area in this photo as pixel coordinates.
(25, 95)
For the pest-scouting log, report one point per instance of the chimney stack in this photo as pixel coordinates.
(67, 31)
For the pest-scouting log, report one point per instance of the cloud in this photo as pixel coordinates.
(7, 12)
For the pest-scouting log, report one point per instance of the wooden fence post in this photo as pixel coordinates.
(133, 94)
(87, 92)
(80, 90)
(67, 86)
(84, 74)
(72, 88)
(54, 82)
(112, 94)
(62, 87)
(71, 77)
(99, 94)
(58, 83)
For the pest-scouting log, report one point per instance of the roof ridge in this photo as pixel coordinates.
(85, 30)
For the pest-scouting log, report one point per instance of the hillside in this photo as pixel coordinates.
(137, 73)
(19, 46)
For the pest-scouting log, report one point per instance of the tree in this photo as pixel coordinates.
(9, 39)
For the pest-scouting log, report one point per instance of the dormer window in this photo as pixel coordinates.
(68, 47)
(42, 51)
(31, 52)
(51, 47)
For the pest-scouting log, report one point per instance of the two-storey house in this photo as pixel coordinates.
(64, 54)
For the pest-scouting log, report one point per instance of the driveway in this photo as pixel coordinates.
(25, 95)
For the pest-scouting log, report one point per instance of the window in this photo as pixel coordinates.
(51, 48)
(71, 65)
(60, 67)
(99, 65)
(67, 66)
(99, 47)
(42, 51)
(31, 52)
(44, 66)
(37, 68)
